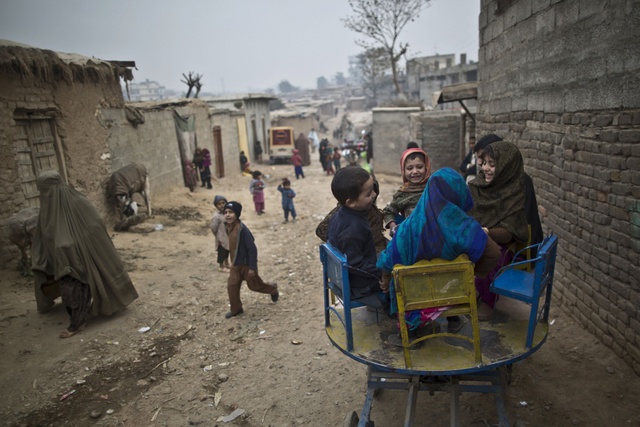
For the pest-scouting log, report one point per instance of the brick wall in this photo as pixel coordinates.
(561, 79)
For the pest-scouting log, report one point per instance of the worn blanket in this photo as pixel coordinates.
(127, 180)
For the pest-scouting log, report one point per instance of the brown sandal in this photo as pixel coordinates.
(68, 334)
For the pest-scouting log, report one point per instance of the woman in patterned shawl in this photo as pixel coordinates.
(499, 205)
(439, 227)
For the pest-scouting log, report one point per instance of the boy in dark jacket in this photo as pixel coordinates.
(350, 233)
(244, 261)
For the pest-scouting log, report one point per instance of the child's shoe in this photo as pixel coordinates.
(454, 323)
(429, 328)
(485, 312)
(275, 296)
(230, 314)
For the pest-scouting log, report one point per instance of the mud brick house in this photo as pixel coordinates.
(67, 112)
(47, 105)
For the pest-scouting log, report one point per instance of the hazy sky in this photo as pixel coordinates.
(237, 45)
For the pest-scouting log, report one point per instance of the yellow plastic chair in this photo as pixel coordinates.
(437, 283)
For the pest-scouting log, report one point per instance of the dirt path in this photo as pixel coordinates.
(275, 362)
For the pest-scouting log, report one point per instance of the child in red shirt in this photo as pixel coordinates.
(296, 159)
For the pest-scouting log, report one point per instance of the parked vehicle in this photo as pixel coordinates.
(281, 144)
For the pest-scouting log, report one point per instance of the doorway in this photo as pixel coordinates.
(37, 150)
(217, 150)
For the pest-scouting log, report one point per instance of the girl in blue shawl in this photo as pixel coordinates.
(439, 227)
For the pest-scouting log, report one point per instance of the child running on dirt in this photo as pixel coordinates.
(220, 232)
(244, 261)
(256, 187)
(287, 199)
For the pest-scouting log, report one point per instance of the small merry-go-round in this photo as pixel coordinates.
(476, 358)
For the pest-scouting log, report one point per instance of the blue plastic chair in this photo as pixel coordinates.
(527, 285)
(335, 280)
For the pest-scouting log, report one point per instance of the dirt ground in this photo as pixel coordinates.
(274, 364)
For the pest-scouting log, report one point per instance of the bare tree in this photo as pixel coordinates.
(382, 21)
(373, 64)
(192, 81)
(322, 82)
(286, 87)
(198, 84)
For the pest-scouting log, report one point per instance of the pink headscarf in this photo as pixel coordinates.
(427, 164)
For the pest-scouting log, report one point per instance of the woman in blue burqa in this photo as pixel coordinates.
(439, 227)
(73, 256)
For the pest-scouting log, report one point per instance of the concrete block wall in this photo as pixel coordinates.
(440, 135)
(561, 79)
(153, 143)
(392, 129)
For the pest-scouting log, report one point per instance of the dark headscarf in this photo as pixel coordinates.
(500, 203)
(71, 239)
(198, 157)
(206, 158)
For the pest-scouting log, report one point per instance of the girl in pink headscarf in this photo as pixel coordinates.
(416, 170)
